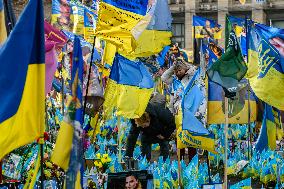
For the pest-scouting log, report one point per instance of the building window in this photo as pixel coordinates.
(278, 23)
(178, 34)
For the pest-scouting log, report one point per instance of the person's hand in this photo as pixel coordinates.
(278, 43)
(161, 137)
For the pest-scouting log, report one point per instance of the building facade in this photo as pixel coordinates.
(269, 12)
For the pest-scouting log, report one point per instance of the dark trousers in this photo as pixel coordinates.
(146, 148)
(146, 142)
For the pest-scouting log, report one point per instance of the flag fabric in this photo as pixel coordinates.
(68, 151)
(193, 118)
(162, 55)
(90, 19)
(266, 64)
(54, 40)
(271, 129)
(244, 184)
(240, 29)
(22, 76)
(3, 31)
(204, 30)
(116, 19)
(238, 106)
(129, 88)
(149, 43)
(156, 36)
(231, 67)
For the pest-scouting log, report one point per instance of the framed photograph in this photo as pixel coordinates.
(131, 179)
(12, 167)
(212, 186)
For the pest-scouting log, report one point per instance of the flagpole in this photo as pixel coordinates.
(62, 85)
(118, 139)
(226, 144)
(41, 164)
(248, 90)
(179, 169)
(89, 76)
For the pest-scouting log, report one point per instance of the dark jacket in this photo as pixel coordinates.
(162, 120)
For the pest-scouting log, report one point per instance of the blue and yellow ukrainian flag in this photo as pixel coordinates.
(271, 129)
(238, 108)
(22, 81)
(152, 33)
(239, 24)
(240, 30)
(156, 36)
(129, 88)
(191, 129)
(266, 64)
(68, 151)
(116, 19)
(200, 24)
(3, 31)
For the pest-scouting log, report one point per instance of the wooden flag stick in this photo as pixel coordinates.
(226, 144)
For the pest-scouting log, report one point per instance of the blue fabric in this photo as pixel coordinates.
(135, 6)
(1, 5)
(71, 36)
(200, 21)
(162, 18)
(190, 104)
(244, 45)
(24, 46)
(265, 33)
(127, 72)
(162, 55)
(262, 141)
(238, 21)
(77, 68)
(76, 157)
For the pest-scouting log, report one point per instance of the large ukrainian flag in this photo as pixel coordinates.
(3, 31)
(190, 124)
(266, 64)
(68, 151)
(129, 88)
(238, 107)
(22, 78)
(116, 19)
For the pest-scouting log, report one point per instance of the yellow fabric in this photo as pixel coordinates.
(89, 34)
(271, 133)
(185, 139)
(217, 35)
(216, 115)
(141, 26)
(78, 181)
(3, 32)
(31, 184)
(239, 30)
(109, 53)
(63, 146)
(115, 25)
(28, 123)
(270, 88)
(130, 101)
(149, 43)
(242, 2)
